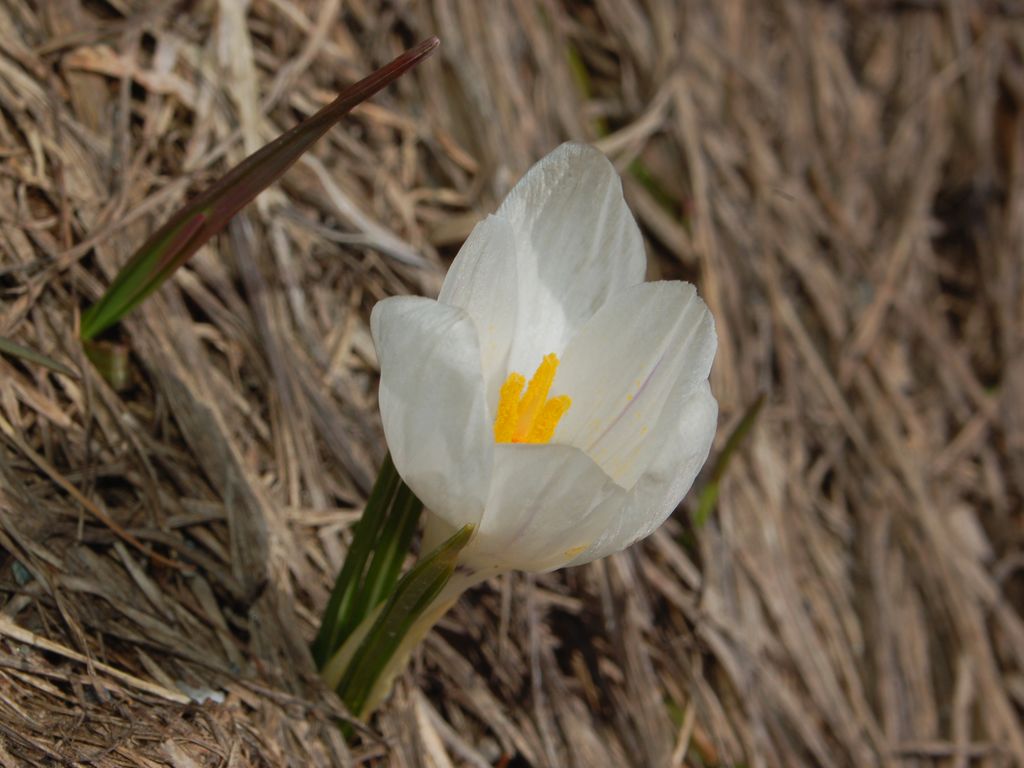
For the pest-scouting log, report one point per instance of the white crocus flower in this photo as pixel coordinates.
(607, 436)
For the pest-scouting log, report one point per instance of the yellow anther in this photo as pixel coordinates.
(530, 417)
(543, 427)
(508, 408)
(536, 394)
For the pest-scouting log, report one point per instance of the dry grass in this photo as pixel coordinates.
(843, 182)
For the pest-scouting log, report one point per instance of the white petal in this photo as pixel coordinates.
(432, 403)
(576, 244)
(482, 280)
(541, 499)
(684, 438)
(436, 530)
(650, 341)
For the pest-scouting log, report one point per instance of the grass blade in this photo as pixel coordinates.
(709, 494)
(8, 347)
(175, 242)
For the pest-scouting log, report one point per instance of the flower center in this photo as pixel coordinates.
(530, 417)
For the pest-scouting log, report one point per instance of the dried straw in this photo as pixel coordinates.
(842, 180)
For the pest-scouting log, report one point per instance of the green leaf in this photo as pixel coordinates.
(389, 553)
(709, 495)
(9, 347)
(192, 226)
(341, 615)
(399, 625)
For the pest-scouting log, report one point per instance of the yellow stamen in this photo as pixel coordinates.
(543, 427)
(536, 394)
(508, 408)
(530, 417)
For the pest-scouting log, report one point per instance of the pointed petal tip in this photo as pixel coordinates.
(581, 151)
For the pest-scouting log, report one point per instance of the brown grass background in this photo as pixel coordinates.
(842, 180)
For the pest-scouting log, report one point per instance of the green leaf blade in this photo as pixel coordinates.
(401, 622)
(390, 552)
(13, 349)
(205, 216)
(342, 615)
(709, 494)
